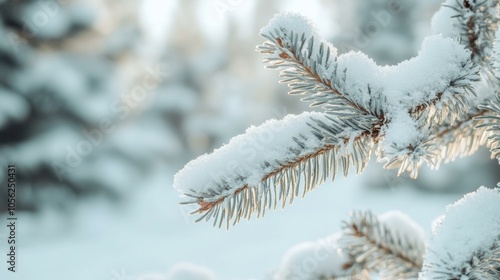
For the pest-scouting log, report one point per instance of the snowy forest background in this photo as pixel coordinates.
(143, 87)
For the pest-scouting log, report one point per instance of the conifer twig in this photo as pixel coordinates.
(491, 123)
(374, 246)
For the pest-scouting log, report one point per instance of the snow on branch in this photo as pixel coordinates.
(391, 245)
(271, 163)
(466, 243)
(459, 139)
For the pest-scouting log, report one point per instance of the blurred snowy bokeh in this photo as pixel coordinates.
(102, 101)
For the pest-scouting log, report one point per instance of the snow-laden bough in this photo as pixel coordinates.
(405, 114)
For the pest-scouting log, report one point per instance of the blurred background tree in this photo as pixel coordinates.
(62, 64)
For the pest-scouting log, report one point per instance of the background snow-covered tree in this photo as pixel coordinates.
(437, 106)
(66, 69)
(56, 66)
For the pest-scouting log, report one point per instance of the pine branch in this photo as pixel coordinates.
(363, 275)
(466, 242)
(309, 67)
(326, 256)
(410, 157)
(492, 125)
(496, 54)
(395, 108)
(291, 164)
(483, 264)
(476, 22)
(448, 106)
(374, 246)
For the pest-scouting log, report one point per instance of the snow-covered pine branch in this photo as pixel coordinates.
(383, 100)
(352, 84)
(313, 260)
(496, 54)
(475, 23)
(491, 122)
(459, 139)
(465, 245)
(396, 108)
(391, 245)
(466, 242)
(269, 165)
